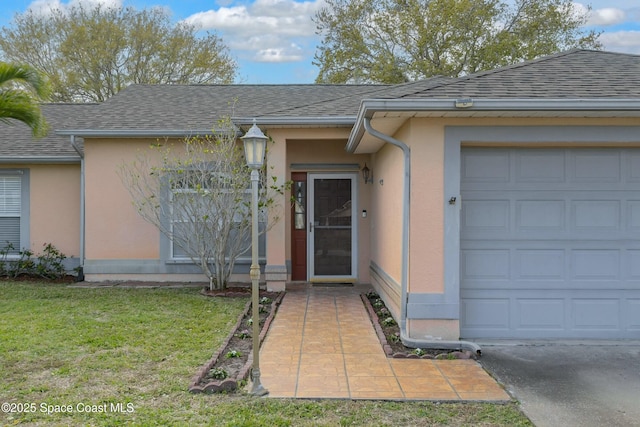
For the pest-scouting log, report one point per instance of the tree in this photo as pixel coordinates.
(91, 54)
(197, 193)
(396, 41)
(21, 90)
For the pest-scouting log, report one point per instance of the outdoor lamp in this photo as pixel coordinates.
(366, 174)
(255, 144)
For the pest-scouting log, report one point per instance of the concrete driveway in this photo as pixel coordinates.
(585, 383)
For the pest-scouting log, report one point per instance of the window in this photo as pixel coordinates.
(200, 199)
(12, 228)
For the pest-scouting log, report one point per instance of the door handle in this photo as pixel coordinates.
(310, 226)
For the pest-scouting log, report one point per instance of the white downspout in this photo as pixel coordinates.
(406, 212)
(406, 216)
(82, 202)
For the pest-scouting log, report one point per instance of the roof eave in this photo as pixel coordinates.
(132, 133)
(471, 107)
(322, 121)
(39, 159)
(325, 121)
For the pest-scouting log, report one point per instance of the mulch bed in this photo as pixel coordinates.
(388, 333)
(239, 341)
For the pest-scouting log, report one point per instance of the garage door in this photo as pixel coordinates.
(550, 243)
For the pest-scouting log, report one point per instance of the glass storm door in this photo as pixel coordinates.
(332, 228)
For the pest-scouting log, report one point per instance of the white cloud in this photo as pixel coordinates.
(602, 16)
(607, 16)
(46, 6)
(622, 41)
(267, 30)
(291, 54)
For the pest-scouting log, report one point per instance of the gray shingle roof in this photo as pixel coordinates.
(573, 74)
(348, 105)
(196, 107)
(16, 141)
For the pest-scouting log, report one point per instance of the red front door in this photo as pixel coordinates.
(299, 226)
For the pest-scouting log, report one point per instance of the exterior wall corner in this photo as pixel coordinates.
(276, 277)
(431, 329)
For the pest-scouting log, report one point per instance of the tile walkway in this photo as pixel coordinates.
(323, 345)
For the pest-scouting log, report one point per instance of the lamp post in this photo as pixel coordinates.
(255, 144)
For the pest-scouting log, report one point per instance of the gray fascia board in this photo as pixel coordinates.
(340, 121)
(503, 104)
(337, 121)
(369, 107)
(126, 133)
(39, 159)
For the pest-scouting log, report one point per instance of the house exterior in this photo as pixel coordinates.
(504, 204)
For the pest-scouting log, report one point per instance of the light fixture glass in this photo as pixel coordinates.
(255, 145)
(366, 174)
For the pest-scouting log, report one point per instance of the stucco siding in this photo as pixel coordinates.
(427, 201)
(55, 208)
(114, 230)
(386, 225)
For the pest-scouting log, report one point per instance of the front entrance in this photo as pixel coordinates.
(329, 229)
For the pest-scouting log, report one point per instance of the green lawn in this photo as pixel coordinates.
(110, 356)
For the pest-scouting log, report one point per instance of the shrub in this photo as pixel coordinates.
(233, 353)
(218, 373)
(48, 265)
(388, 321)
(243, 334)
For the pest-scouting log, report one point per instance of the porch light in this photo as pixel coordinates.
(255, 144)
(367, 175)
(254, 149)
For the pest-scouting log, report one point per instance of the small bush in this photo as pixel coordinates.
(388, 321)
(419, 352)
(233, 353)
(243, 334)
(218, 373)
(48, 265)
(394, 338)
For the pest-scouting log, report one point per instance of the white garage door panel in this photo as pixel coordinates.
(550, 243)
(528, 309)
(632, 314)
(520, 316)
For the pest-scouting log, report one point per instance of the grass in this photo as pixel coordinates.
(126, 356)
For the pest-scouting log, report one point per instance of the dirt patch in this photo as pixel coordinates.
(389, 334)
(229, 368)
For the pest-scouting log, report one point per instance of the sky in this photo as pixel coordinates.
(274, 41)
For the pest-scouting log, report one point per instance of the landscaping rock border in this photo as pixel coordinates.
(389, 351)
(232, 384)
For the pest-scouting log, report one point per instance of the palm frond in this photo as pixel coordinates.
(21, 89)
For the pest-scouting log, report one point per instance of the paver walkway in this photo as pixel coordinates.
(323, 345)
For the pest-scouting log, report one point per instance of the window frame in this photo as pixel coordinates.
(24, 222)
(170, 218)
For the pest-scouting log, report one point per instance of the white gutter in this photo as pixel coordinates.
(155, 133)
(406, 216)
(501, 104)
(332, 121)
(593, 107)
(40, 159)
